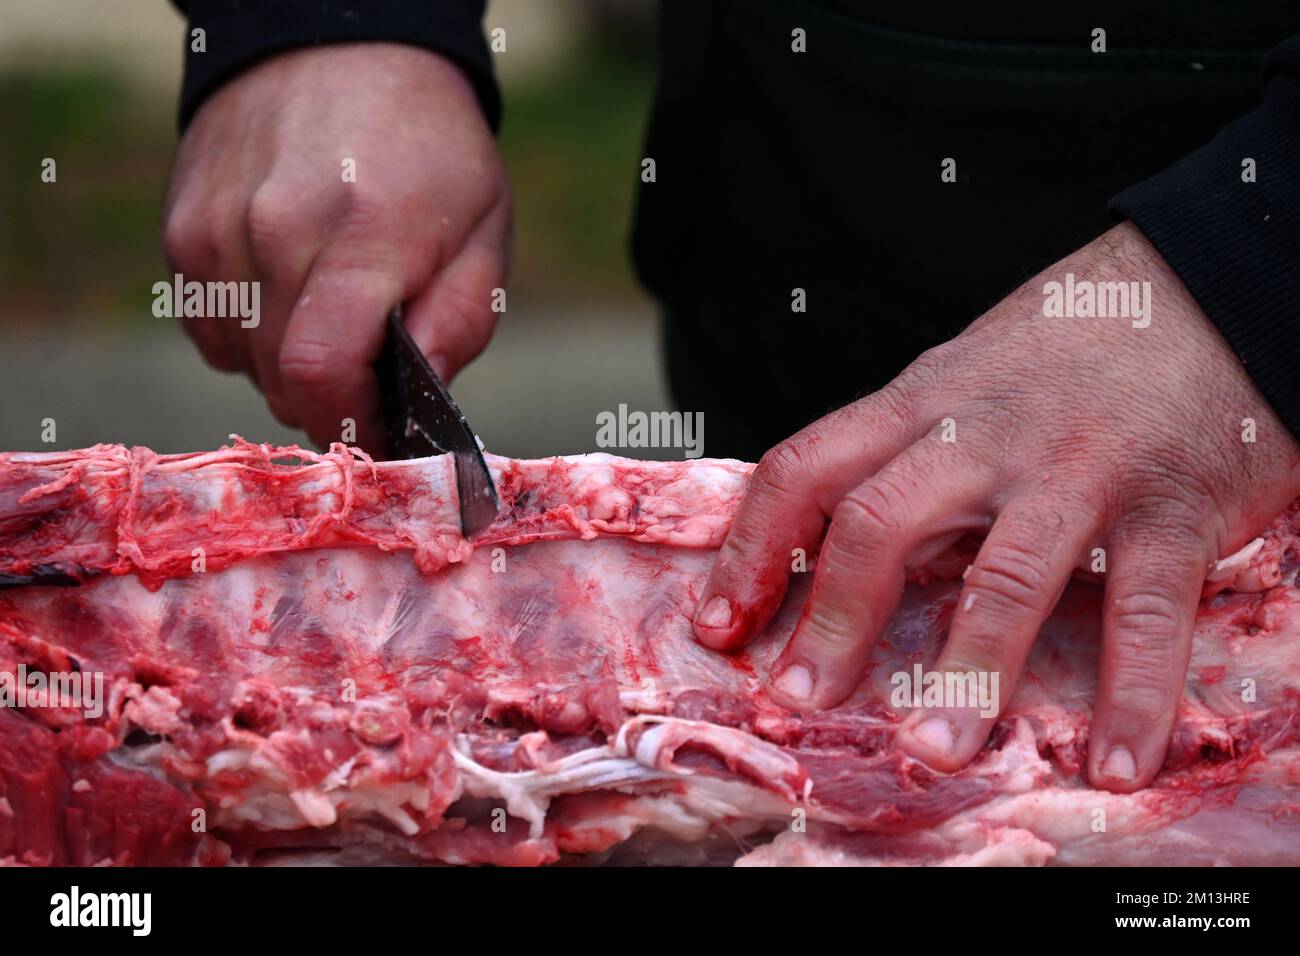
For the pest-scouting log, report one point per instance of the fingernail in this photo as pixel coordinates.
(795, 682)
(716, 613)
(1119, 764)
(937, 734)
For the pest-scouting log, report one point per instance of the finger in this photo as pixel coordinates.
(199, 248)
(1010, 589)
(264, 343)
(920, 496)
(1152, 594)
(333, 336)
(790, 494)
(282, 241)
(452, 318)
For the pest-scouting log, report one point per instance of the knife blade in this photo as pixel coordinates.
(422, 420)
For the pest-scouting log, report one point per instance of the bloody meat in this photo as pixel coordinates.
(303, 661)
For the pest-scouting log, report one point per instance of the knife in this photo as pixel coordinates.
(422, 420)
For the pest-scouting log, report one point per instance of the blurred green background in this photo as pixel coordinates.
(93, 84)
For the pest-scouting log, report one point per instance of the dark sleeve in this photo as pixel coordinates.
(1235, 244)
(240, 32)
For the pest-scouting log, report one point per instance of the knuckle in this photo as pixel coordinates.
(828, 630)
(1139, 686)
(274, 218)
(1168, 480)
(1138, 616)
(784, 466)
(185, 242)
(466, 311)
(306, 365)
(870, 513)
(1012, 577)
(897, 400)
(929, 371)
(747, 543)
(1180, 524)
(367, 210)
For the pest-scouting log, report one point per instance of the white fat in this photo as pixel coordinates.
(389, 802)
(338, 777)
(315, 808)
(232, 758)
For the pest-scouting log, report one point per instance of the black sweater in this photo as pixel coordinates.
(820, 171)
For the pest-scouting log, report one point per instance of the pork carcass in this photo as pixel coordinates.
(302, 660)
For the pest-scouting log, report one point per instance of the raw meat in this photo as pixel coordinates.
(304, 662)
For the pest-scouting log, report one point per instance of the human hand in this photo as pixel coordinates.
(258, 194)
(1070, 434)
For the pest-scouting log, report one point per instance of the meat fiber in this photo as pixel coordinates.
(303, 661)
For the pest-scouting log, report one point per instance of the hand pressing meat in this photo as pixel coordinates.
(1055, 437)
(259, 193)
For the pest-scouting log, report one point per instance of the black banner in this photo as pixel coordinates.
(440, 905)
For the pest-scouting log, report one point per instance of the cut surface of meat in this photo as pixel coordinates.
(302, 660)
